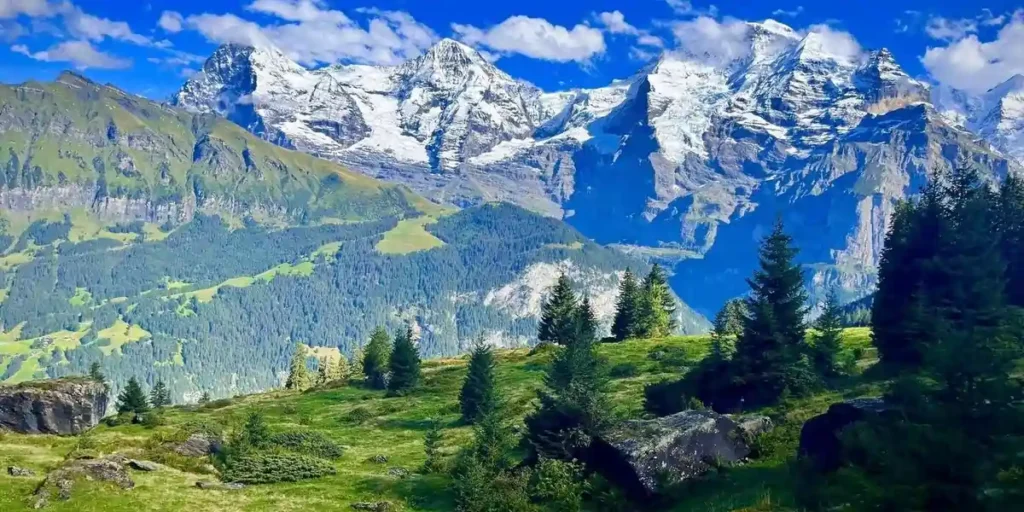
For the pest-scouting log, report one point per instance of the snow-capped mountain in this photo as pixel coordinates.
(693, 156)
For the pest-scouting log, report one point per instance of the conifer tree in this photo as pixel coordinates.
(1009, 222)
(298, 373)
(432, 449)
(558, 314)
(573, 404)
(478, 394)
(132, 399)
(375, 359)
(160, 396)
(828, 338)
(96, 373)
(404, 364)
(586, 321)
(769, 348)
(205, 398)
(626, 307)
(324, 371)
(655, 318)
(355, 365)
(722, 342)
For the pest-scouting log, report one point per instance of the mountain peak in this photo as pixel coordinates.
(1013, 84)
(73, 79)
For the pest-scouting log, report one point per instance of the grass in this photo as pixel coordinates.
(82, 297)
(367, 423)
(410, 235)
(301, 269)
(120, 334)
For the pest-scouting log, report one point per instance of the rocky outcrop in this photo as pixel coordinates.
(198, 445)
(64, 407)
(644, 456)
(821, 436)
(62, 480)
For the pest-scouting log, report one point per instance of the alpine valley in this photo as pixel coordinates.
(688, 161)
(179, 247)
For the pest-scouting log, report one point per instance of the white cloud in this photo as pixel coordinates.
(946, 29)
(836, 43)
(93, 28)
(989, 19)
(79, 53)
(975, 66)
(686, 8)
(313, 34)
(171, 21)
(30, 8)
(9, 30)
(792, 13)
(712, 41)
(536, 38)
(616, 23)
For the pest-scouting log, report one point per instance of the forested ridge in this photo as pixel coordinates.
(210, 308)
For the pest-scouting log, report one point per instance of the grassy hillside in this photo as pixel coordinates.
(368, 424)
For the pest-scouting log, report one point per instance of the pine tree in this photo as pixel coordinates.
(160, 396)
(298, 373)
(205, 398)
(586, 322)
(432, 449)
(96, 373)
(828, 339)
(769, 348)
(558, 314)
(324, 371)
(404, 364)
(339, 370)
(375, 359)
(355, 365)
(626, 307)
(655, 318)
(478, 394)
(573, 405)
(132, 399)
(1010, 225)
(722, 337)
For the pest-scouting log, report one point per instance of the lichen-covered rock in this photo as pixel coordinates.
(16, 471)
(753, 425)
(143, 465)
(198, 445)
(62, 480)
(63, 406)
(643, 456)
(820, 437)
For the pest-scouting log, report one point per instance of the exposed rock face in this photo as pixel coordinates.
(63, 407)
(198, 445)
(109, 469)
(820, 440)
(644, 455)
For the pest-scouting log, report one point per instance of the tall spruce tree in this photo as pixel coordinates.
(96, 373)
(404, 364)
(573, 406)
(1010, 225)
(769, 348)
(478, 394)
(728, 324)
(298, 373)
(375, 359)
(132, 399)
(160, 396)
(828, 338)
(626, 307)
(657, 307)
(558, 314)
(586, 321)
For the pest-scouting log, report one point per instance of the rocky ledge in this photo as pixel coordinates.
(63, 406)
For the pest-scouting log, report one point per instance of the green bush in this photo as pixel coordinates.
(152, 419)
(623, 371)
(266, 468)
(558, 485)
(357, 416)
(216, 404)
(308, 443)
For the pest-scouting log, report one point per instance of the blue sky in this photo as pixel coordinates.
(150, 46)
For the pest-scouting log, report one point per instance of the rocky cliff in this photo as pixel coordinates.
(65, 406)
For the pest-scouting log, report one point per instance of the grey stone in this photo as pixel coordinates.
(379, 459)
(374, 506)
(62, 407)
(643, 456)
(198, 445)
(753, 425)
(143, 465)
(219, 486)
(16, 471)
(398, 472)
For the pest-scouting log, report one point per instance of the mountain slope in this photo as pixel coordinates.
(173, 245)
(684, 159)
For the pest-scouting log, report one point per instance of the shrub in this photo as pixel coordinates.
(152, 419)
(623, 371)
(558, 485)
(216, 404)
(666, 397)
(266, 468)
(308, 443)
(357, 415)
(119, 419)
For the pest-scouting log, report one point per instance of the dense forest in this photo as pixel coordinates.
(240, 337)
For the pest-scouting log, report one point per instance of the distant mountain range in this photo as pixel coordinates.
(689, 160)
